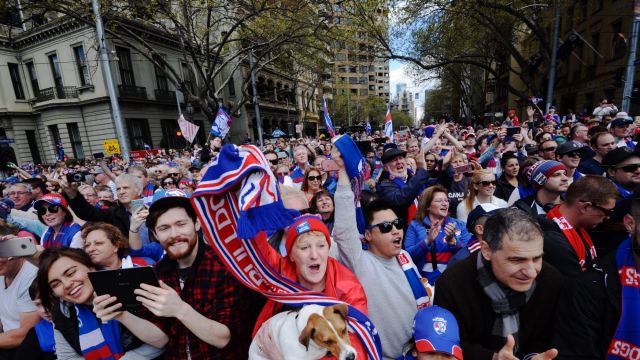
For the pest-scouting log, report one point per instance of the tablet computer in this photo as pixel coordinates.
(121, 283)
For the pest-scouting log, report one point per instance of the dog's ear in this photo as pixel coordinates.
(342, 310)
(307, 332)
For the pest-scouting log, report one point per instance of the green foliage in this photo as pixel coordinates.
(400, 119)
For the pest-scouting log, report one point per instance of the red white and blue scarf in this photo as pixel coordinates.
(147, 193)
(98, 341)
(626, 341)
(236, 201)
(63, 238)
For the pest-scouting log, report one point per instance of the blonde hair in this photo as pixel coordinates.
(473, 192)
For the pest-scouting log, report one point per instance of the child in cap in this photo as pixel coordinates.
(436, 336)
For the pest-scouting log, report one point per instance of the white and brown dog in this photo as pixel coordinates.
(308, 334)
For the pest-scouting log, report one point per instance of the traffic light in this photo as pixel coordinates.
(178, 133)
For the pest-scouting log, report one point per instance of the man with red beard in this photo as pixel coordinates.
(399, 186)
(202, 308)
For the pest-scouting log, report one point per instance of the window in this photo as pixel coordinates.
(169, 138)
(161, 78)
(364, 69)
(595, 42)
(353, 80)
(33, 146)
(56, 72)
(14, 71)
(232, 88)
(187, 76)
(139, 134)
(341, 57)
(33, 77)
(55, 137)
(76, 140)
(125, 66)
(81, 64)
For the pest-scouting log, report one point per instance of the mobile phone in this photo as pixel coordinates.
(136, 204)
(513, 130)
(329, 165)
(122, 282)
(462, 169)
(22, 246)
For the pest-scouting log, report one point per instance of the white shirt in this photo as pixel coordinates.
(15, 300)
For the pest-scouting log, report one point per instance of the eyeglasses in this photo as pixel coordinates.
(487, 183)
(553, 148)
(52, 209)
(174, 174)
(387, 226)
(573, 154)
(18, 193)
(315, 178)
(273, 161)
(631, 168)
(169, 183)
(607, 212)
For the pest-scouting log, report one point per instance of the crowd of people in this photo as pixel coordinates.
(514, 240)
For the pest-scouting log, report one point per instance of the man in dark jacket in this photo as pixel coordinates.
(508, 274)
(549, 179)
(593, 316)
(399, 187)
(129, 188)
(567, 246)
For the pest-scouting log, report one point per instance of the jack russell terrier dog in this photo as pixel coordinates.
(308, 334)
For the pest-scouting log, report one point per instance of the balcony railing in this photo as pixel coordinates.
(132, 92)
(165, 95)
(58, 92)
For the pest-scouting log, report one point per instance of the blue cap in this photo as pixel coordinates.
(435, 330)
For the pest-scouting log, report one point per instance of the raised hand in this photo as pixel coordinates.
(506, 353)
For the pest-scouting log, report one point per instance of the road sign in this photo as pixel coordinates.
(111, 147)
(7, 141)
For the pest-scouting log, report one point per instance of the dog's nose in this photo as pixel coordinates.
(350, 356)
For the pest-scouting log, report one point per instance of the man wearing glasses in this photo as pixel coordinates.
(569, 154)
(20, 194)
(567, 245)
(547, 150)
(623, 169)
(619, 128)
(549, 180)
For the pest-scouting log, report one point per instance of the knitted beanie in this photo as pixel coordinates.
(542, 170)
(304, 224)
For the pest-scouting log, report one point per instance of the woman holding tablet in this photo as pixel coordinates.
(68, 294)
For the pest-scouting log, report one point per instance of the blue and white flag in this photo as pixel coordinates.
(367, 127)
(327, 119)
(59, 151)
(388, 124)
(222, 124)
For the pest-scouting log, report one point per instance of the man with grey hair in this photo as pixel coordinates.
(20, 194)
(128, 188)
(503, 296)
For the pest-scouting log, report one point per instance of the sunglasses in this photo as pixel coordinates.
(573, 154)
(486, 183)
(273, 162)
(553, 148)
(315, 178)
(387, 226)
(174, 174)
(630, 168)
(607, 212)
(169, 183)
(52, 209)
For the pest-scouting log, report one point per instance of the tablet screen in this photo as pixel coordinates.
(122, 282)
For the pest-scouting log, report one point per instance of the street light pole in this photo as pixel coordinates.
(255, 97)
(108, 79)
(554, 55)
(628, 84)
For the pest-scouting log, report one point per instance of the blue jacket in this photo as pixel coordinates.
(416, 246)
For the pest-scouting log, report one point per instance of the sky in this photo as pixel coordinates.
(398, 75)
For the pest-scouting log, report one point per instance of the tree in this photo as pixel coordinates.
(401, 119)
(214, 37)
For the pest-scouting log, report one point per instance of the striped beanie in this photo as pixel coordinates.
(542, 170)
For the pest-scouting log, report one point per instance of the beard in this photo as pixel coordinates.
(177, 255)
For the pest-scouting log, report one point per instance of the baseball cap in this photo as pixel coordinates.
(481, 210)
(618, 155)
(435, 329)
(53, 199)
(570, 146)
(166, 199)
(622, 118)
(391, 154)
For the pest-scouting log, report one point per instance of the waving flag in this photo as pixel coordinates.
(535, 100)
(59, 151)
(388, 124)
(367, 127)
(327, 119)
(222, 124)
(188, 129)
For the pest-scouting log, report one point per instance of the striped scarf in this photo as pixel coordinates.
(147, 193)
(578, 238)
(98, 341)
(236, 201)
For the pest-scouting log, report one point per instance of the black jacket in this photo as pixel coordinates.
(402, 198)
(588, 313)
(117, 215)
(503, 188)
(559, 252)
(459, 292)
